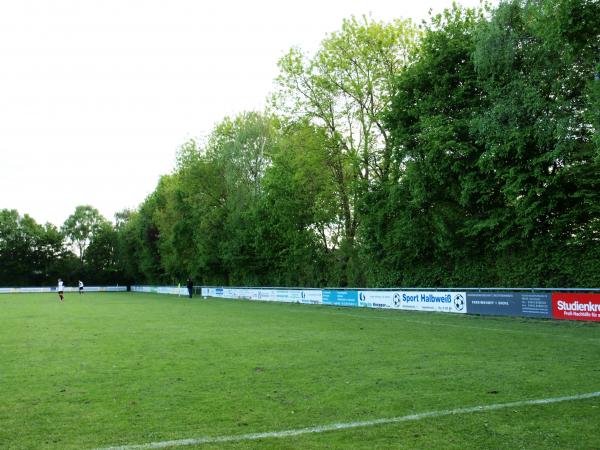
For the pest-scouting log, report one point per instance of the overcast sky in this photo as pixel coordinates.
(96, 96)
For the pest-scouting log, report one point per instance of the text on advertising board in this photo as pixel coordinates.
(571, 306)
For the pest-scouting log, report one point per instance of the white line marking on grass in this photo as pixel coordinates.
(345, 426)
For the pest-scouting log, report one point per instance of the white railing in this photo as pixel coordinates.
(23, 290)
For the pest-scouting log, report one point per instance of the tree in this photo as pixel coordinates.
(81, 226)
(298, 209)
(204, 190)
(494, 131)
(345, 88)
(414, 225)
(128, 246)
(239, 150)
(201, 220)
(15, 254)
(539, 132)
(30, 254)
(100, 256)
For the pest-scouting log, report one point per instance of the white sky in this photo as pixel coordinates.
(96, 96)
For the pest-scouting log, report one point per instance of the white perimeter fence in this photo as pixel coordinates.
(24, 290)
(562, 304)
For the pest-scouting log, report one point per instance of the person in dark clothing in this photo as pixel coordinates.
(190, 287)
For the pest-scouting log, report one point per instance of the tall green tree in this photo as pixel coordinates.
(539, 132)
(128, 246)
(240, 148)
(414, 225)
(201, 220)
(81, 226)
(345, 88)
(101, 256)
(298, 210)
(494, 134)
(15, 251)
(203, 190)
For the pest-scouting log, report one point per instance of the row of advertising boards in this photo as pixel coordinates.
(555, 305)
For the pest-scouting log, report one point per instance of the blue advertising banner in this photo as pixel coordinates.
(515, 304)
(340, 298)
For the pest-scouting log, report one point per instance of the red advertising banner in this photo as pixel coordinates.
(569, 306)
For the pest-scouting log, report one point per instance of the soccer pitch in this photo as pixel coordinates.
(128, 369)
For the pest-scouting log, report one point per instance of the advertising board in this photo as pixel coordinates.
(308, 296)
(516, 304)
(576, 306)
(566, 306)
(438, 301)
(340, 298)
(379, 299)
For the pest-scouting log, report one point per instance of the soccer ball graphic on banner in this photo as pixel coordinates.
(459, 302)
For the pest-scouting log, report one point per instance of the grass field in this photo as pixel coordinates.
(117, 369)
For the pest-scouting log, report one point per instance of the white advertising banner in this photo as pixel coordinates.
(212, 292)
(310, 296)
(102, 289)
(248, 294)
(453, 302)
(450, 302)
(172, 290)
(269, 295)
(379, 299)
(438, 301)
(307, 296)
(283, 295)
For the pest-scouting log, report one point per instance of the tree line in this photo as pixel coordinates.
(464, 151)
(85, 247)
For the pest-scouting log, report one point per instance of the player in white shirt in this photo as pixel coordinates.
(60, 289)
(80, 287)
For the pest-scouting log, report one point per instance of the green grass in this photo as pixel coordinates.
(119, 368)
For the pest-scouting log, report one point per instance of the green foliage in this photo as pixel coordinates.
(498, 181)
(416, 234)
(298, 209)
(81, 227)
(538, 142)
(101, 257)
(345, 88)
(30, 254)
(536, 130)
